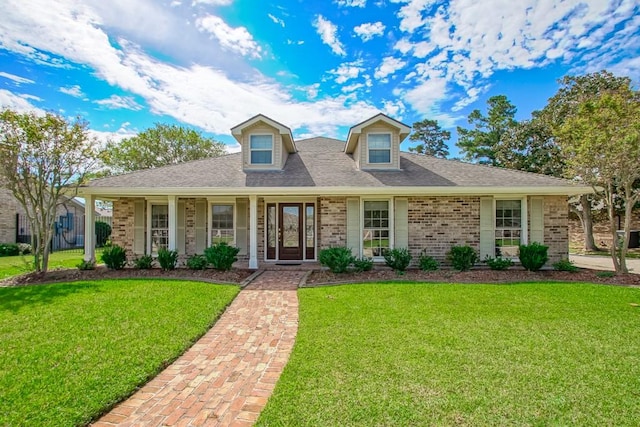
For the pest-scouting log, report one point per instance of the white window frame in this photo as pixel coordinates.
(379, 149)
(150, 205)
(272, 150)
(391, 226)
(210, 206)
(524, 220)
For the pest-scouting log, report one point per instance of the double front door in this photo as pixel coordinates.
(290, 231)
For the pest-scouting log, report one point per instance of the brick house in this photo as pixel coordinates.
(281, 200)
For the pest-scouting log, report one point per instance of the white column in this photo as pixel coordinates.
(89, 228)
(253, 229)
(173, 223)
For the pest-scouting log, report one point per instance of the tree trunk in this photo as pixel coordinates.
(587, 224)
(612, 225)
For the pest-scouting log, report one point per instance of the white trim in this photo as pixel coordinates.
(524, 219)
(273, 149)
(150, 204)
(172, 214)
(389, 200)
(221, 202)
(253, 235)
(90, 230)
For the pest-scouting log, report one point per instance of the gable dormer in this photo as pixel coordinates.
(265, 143)
(375, 143)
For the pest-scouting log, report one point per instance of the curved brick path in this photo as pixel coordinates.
(227, 376)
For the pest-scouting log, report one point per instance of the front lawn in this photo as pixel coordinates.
(14, 265)
(450, 354)
(69, 351)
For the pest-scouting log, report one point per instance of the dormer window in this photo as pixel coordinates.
(261, 147)
(379, 147)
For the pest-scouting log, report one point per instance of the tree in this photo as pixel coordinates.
(564, 105)
(159, 146)
(433, 139)
(602, 140)
(480, 143)
(43, 159)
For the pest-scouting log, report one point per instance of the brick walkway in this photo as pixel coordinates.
(226, 378)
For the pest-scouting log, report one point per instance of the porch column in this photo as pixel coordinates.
(89, 228)
(253, 229)
(173, 223)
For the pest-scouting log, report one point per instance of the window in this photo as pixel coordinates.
(508, 227)
(375, 240)
(222, 229)
(261, 147)
(379, 147)
(159, 227)
(310, 230)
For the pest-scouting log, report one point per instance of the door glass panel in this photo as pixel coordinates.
(271, 226)
(310, 227)
(290, 223)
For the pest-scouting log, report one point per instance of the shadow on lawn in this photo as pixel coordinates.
(13, 299)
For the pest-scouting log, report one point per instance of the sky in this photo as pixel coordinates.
(318, 67)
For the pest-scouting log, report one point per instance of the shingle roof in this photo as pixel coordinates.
(321, 162)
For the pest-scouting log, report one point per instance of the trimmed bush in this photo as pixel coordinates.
(398, 259)
(462, 258)
(86, 265)
(114, 257)
(167, 259)
(103, 232)
(9, 249)
(221, 256)
(565, 265)
(197, 262)
(533, 256)
(145, 262)
(498, 263)
(363, 264)
(427, 262)
(338, 259)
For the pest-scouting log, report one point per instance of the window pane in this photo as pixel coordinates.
(310, 226)
(508, 227)
(379, 156)
(379, 140)
(375, 238)
(222, 224)
(261, 157)
(261, 142)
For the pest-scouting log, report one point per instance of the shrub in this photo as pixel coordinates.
(427, 263)
(565, 265)
(145, 262)
(462, 258)
(338, 259)
(103, 232)
(363, 264)
(533, 256)
(498, 263)
(167, 259)
(605, 274)
(398, 259)
(9, 249)
(221, 256)
(197, 262)
(114, 257)
(86, 265)
(25, 248)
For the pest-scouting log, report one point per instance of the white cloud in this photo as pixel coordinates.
(352, 3)
(16, 79)
(74, 91)
(213, 2)
(236, 39)
(347, 71)
(394, 109)
(18, 102)
(389, 66)
(352, 87)
(276, 20)
(115, 102)
(411, 14)
(328, 34)
(298, 42)
(369, 30)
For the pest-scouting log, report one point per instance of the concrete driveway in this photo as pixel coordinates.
(603, 263)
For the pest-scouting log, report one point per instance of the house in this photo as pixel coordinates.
(281, 200)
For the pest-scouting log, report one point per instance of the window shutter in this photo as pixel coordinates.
(181, 240)
(201, 226)
(401, 221)
(487, 231)
(536, 231)
(241, 226)
(138, 227)
(353, 226)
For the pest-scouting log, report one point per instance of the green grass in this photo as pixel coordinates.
(447, 354)
(14, 265)
(70, 351)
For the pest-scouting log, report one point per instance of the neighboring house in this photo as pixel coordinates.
(281, 200)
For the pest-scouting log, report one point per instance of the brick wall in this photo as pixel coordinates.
(8, 209)
(556, 221)
(601, 231)
(437, 223)
(332, 222)
(122, 231)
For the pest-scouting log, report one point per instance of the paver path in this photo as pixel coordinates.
(226, 378)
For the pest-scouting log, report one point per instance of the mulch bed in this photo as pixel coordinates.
(325, 277)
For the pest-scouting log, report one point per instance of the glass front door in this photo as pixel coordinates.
(290, 241)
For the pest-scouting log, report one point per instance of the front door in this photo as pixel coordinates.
(290, 242)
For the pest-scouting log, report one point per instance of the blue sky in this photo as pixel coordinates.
(317, 66)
